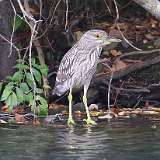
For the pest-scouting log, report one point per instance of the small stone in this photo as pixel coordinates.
(93, 107)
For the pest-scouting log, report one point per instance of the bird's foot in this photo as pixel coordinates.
(70, 122)
(89, 121)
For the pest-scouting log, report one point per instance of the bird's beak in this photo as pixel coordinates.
(109, 40)
(112, 39)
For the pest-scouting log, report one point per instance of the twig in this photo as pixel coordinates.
(13, 29)
(66, 15)
(50, 20)
(32, 24)
(109, 86)
(116, 22)
(137, 52)
(39, 50)
(107, 6)
(117, 93)
(31, 69)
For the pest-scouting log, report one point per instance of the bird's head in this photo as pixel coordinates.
(97, 37)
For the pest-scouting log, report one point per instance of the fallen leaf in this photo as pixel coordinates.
(153, 23)
(115, 53)
(94, 113)
(118, 65)
(20, 118)
(4, 109)
(36, 122)
(55, 106)
(78, 112)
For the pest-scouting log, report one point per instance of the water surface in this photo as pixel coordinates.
(115, 140)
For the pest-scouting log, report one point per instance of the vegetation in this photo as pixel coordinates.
(38, 34)
(19, 88)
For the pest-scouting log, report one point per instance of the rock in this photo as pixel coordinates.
(93, 107)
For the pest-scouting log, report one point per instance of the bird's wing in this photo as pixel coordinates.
(65, 70)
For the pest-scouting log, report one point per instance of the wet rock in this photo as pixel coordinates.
(53, 119)
(93, 107)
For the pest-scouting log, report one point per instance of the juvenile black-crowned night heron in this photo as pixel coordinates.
(78, 66)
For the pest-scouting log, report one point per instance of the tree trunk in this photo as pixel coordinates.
(152, 6)
(6, 63)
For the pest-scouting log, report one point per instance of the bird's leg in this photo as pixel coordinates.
(70, 118)
(89, 121)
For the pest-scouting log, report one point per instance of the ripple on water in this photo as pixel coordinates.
(121, 140)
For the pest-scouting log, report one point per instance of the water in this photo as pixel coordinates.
(117, 140)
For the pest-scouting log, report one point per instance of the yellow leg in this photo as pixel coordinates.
(89, 121)
(70, 118)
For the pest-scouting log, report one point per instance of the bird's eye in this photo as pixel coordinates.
(97, 35)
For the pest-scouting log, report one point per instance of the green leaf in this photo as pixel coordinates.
(29, 79)
(29, 98)
(11, 101)
(17, 77)
(10, 84)
(6, 92)
(33, 61)
(24, 87)
(20, 95)
(21, 66)
(43, 106)
(39, 90)
(44, 70)
(37, 76)
(37, 66)
(9, 78)
(19, 23)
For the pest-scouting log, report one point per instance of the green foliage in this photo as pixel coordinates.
(19, 87)
(19, 23)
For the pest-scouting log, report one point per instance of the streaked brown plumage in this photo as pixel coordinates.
(78, 66)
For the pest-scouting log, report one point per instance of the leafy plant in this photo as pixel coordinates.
(19, 88)
(19, 23)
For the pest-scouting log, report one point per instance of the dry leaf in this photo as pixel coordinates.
(20, 119)
(36, 122)
(153, 23)
(55, 106)
(94, 113)
(115, 53)
(78, 112)
(4, 109)
(118, 65)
